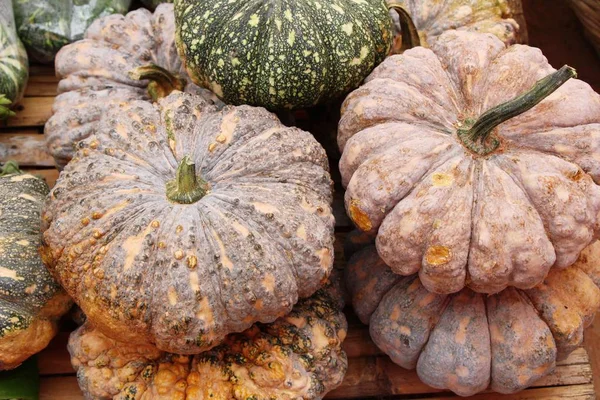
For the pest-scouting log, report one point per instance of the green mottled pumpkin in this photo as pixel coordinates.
(14, 69)
(281, 54)
(31, 302)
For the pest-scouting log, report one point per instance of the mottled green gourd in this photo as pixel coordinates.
(281, 54)
(14, 69)
(31, 303)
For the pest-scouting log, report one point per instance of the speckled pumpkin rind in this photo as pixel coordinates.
(455, 217)
(30, 300)
(182, 276)
(299, 356)
(434, 17)
(468, 341)
(281, 54)
(94, 73)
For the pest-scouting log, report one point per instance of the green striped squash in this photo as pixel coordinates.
(281, 54)
(14, 69)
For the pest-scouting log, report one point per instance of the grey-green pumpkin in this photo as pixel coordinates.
(281, 54)
(30, 301)
(14, 69)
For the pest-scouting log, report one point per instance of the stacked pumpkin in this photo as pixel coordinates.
(197, 237)
(474, 168)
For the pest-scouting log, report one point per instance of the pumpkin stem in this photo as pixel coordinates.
(410, 34)
(475, 135)
(162, 82)
(5, 111)
(10, 168)
(187, 187)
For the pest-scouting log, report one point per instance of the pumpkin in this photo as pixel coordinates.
(95, 74)
(45, 26)
(14, 67)
(433, 17)
(177, 224)
(453, 192)
(281, 55)
(32, 302)
(468, 341)
(298, 356)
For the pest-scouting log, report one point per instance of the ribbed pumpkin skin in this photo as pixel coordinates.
(434, 17)
(441, 210)
(94, 73)
(299, 356)
(31, 302)
(281, 54)
(182, 276)
(468, 341)
(14, 67)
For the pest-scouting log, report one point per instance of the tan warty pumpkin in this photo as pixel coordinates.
(96, 74)
(177, 223)
(299, 356)
(468, 341)
(442, 160)
(503, 18)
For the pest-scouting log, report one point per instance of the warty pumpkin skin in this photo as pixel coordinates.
(500, 215)
(298, 356)
(32, 302)
(434, 17)
(95, 74)
(467, 341)
(281, 54)
(176, 224)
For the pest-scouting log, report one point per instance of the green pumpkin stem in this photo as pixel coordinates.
(162, 82)
(476, 135)
(410, 34)
(5, 111)
(10, 168)
(187, 187)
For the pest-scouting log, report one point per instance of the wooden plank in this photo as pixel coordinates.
(575, 392)
(591, 342)
(27, 148)
(31, 111)
(42, 85)
(60, 388)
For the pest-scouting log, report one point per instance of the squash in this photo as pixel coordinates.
(32, 302)
(281, 55)
(45, 26)
(468, 341)
(95, 74)
(503, 18)
(433, 171)
(298, 356)
(177, 224)
(14, 67)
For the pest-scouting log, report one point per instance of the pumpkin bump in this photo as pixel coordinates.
(179, 223)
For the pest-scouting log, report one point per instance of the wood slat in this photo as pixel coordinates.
(28, 148)
(42, 85)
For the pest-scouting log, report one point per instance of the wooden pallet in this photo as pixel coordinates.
(371, 374)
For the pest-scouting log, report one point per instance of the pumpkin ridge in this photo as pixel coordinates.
(291, 266)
